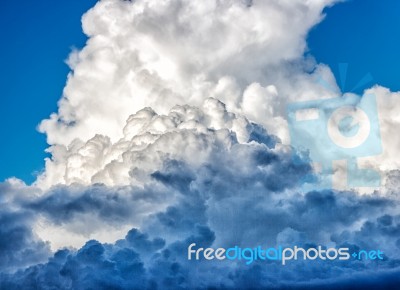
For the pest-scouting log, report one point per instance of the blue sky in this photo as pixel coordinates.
(35, 42)
(38, 38)
(366, 35)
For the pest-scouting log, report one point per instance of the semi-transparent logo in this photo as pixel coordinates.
(341, 128)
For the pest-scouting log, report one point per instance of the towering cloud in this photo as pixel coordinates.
(143, 53)
(172, 130)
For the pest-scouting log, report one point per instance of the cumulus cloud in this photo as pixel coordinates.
(143, 53)
(148, 139)
(172, 130)
(160, 156)
(248, 55)
(245, 193)
(19, 245)
(155, 257)
(387, 161)
(389, 121)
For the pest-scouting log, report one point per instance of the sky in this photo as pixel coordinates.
(33, 74)
(37, 42)
(364, 35)
(216, 123)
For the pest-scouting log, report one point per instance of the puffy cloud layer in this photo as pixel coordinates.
(19, 245)
(127, 177)
(219, 208)
(208, 188)
(194, 135)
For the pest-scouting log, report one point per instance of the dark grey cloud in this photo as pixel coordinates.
(19, 246)
(155, 256)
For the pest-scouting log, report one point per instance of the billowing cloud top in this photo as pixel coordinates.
(172, 130)
(151, 54)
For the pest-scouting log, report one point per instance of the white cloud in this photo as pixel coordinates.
(187, 133)
(159, 54)
(143, 54)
